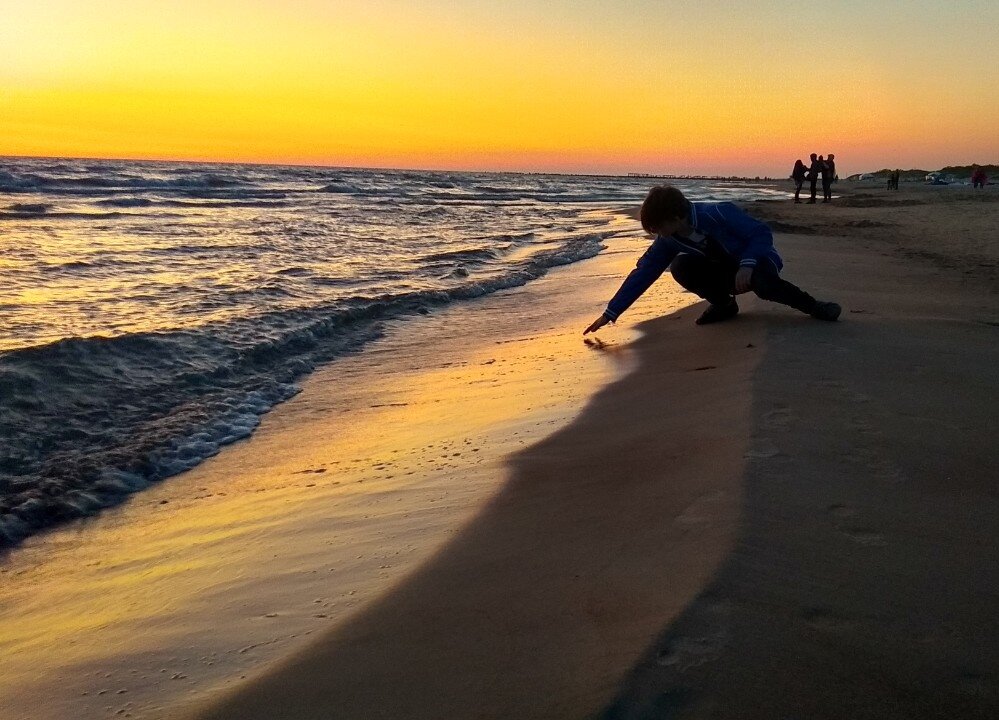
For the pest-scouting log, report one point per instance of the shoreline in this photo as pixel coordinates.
(341, 492)
(832, 485)
(556, 585)
(198, 373)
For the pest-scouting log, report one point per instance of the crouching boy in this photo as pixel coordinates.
(714, 250)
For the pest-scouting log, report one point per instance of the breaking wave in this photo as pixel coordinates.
(88, 421)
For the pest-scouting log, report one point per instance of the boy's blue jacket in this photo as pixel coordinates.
(747, 241)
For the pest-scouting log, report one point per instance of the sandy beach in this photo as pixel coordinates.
(768, 518)
(862, 583)
(774, 518)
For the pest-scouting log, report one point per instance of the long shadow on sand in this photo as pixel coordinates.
(605, 531)
(797, 528)
(863, 583)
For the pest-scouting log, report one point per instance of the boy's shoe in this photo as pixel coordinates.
(826, 311)
(719, 313)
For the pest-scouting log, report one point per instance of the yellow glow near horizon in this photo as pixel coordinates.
(571, 86)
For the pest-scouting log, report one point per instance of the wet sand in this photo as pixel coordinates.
(342, 493)
(771, 518)
(602, 532)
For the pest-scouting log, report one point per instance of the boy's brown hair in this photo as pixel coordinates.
(664, 202)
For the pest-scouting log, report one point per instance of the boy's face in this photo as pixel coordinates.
(677, 226)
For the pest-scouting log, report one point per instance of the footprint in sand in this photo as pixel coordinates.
(840, 389)
(866, 537)
(688, 650)
(841, 511)
(704, 509)
(822, 618)
(858, 534)
(871, 461)
(778, 419)
(762, 448)
(685, 653)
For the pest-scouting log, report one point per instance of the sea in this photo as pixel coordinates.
(152, 312)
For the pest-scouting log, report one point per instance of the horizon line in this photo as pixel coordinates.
(664, 175)
(382, 167)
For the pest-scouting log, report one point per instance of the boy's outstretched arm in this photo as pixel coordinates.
(650, 266)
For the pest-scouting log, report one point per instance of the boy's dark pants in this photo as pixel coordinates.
(715, 282)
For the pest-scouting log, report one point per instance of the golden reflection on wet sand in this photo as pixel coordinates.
(341, 492)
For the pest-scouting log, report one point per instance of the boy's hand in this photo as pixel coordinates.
(743, 280)
(596, 324)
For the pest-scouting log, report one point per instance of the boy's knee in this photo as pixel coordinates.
(683, 269)
(763, 284)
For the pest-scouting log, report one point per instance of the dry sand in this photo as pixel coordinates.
(953, 227)
(864, 581)
(844, 474)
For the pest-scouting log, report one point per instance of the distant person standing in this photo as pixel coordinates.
(828, 177)
(822, 176)
(813, 175)
(978, 177)
(798, 175)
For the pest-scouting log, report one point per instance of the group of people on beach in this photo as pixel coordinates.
(823, 169)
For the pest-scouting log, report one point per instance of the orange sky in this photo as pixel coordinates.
(567, 85)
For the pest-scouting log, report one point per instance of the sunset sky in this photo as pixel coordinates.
(562, 85)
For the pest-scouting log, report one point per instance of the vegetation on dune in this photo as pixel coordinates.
(916, 174)
(966, 170)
